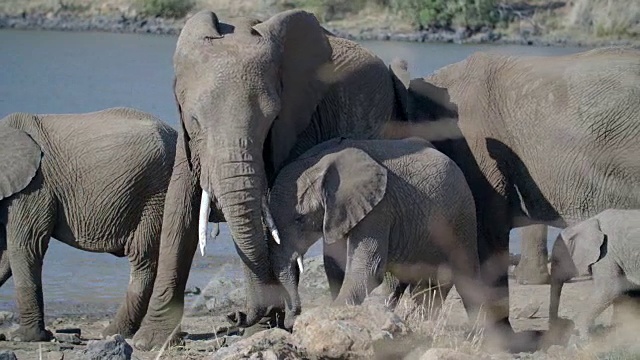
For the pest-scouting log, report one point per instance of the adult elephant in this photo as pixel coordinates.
(253, 95)
(95, 181)
(546, 140)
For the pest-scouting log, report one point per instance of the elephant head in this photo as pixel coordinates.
(575, 249)
(323, 194)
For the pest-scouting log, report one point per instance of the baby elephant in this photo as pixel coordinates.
(607, 246)
(95, 181)
(397, 206)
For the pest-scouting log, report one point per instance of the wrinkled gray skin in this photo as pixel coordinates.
(253, 95)
(534, 257)
(95, 181)
(605, 246)
(548, 140)
(380, 205)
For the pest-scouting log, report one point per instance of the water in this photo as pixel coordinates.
(63, 72)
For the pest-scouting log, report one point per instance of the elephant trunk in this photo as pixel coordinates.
(238, 180)
(554, 300)
(288, 268)
(5, 268)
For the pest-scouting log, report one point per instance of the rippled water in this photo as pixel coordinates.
(63, 72)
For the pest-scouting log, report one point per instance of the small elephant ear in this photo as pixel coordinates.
(304, 54)
(584, 242)
(352, 185)
(19, 160)
(401, 80)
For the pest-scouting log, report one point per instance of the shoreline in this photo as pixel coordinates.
(121, 23)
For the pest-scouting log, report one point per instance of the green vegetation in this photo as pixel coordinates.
(421, 13)
(165, 8)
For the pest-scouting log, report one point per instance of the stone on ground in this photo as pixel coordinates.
(346, 332)
(114, 348)
(269, 344)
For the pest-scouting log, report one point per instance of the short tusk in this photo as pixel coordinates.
(269, 220)
(300, 266)
(216, 230)
(205, 204)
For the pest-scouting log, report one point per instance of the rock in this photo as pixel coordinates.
(445, 354)
(346, 332)
(3, 337)
(72, 338)
(7, 355)
(269, 344)
(55, 355)
(114, 347)
(6, 317)
(193, 291)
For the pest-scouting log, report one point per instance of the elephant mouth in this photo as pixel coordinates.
(203, 220)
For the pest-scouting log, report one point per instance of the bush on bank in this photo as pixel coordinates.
(165, 8)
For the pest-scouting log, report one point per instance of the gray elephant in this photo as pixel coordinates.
(605, 246)
(252, 96)
(550, 140)
(95, 181)
(380, 205)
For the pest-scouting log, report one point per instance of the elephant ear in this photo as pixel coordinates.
(401, 80)
(584, 242)
(352, 185)
(19, 160)
(304, 54)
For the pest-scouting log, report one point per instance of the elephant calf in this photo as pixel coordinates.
(397, 206)
(605, 245)
(95, 181)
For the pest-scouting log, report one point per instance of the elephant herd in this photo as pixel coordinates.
(290, 134)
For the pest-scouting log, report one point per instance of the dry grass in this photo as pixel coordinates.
(606, 18)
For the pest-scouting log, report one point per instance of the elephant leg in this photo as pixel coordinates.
(178, 243)
(5, 266)
(607, 287)
(335, 260)
(628, 302)
(143, 259)
(366, 260)
(493, 251)
(429, 296)
(393, 289)
(532, 268)
(27, 253)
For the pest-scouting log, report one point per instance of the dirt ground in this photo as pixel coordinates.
(529, 311)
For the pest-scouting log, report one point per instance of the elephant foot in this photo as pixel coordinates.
(275, 318)
(127, 331)
(31, 334)
(503, 335)
(151, 337)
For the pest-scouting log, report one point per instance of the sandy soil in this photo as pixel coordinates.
(529, 310)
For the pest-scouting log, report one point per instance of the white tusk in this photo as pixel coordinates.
(300, 266)
(216, 230)
(269, 220)
(205, 204)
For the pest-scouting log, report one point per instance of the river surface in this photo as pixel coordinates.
(64, 72)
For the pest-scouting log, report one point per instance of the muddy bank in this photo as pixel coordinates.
(131, 22)
(369, 331)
